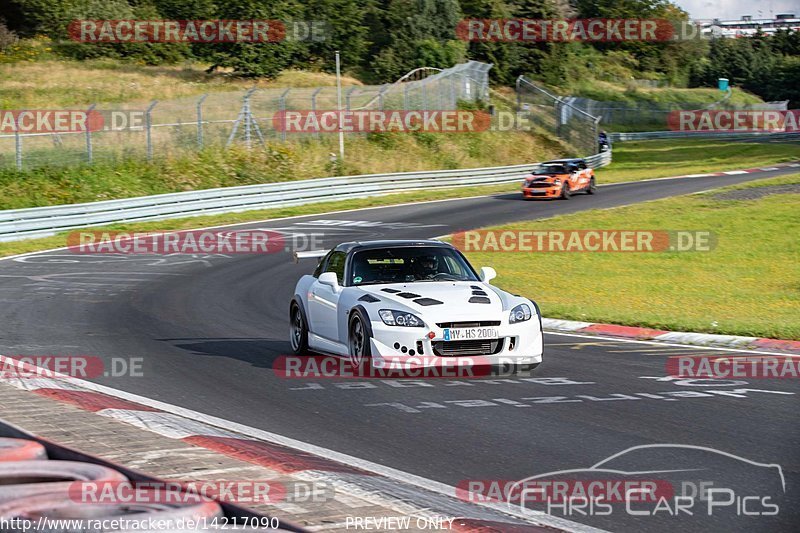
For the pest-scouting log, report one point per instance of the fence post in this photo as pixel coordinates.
(314, 107)
(200, 121)
(89, 153)
(148, 123)
(380, 96)
(347, 98)
(282, 107)
(17, 143)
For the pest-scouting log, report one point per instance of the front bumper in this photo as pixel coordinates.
(549, 192)
(521, 343)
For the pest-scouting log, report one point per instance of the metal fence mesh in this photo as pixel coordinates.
(556, 116)
(652, 116)
(148, 130)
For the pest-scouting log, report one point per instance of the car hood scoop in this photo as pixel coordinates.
(443, 300)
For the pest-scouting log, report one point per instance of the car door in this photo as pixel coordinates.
(323, 300)
(585, 174)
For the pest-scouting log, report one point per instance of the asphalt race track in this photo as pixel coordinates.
(209, 328)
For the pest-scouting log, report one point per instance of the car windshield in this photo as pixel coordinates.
(409, 265)
(550, 169)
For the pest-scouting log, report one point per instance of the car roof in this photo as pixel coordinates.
(561, 161)
(354, 246)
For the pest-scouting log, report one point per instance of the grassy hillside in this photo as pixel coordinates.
(49, 83)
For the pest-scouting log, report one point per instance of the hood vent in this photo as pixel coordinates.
(427, 301)
(409, 295)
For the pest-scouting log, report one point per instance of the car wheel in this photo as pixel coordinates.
(298, 329)
(592, 187)
(565, 192)
(358, 340)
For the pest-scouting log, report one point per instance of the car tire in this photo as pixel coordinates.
(592, 187)
(298, 329)
(358, 339)
(565, 192)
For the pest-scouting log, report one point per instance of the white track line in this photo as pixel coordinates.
(349, 460)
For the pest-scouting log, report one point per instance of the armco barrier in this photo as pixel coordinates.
(650, 135)
(19, 224)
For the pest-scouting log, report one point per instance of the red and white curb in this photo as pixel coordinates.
(401, 492)
(755, 170)
(675, 337)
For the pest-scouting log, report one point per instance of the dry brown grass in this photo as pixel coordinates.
(48, 84)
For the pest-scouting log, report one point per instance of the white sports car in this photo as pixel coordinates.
(410, 299)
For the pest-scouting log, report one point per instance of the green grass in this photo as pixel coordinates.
(638, 160)
(749, 284)
(279, 162)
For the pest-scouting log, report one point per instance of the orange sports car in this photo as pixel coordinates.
(559, 179)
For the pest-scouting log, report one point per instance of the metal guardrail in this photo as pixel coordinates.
(648, 135)
(17, 224)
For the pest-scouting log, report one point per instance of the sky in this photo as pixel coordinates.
(734, 9)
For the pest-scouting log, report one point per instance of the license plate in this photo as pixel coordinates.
(468, 334)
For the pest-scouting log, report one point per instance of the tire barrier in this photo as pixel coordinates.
(33, 487)
(20, 450)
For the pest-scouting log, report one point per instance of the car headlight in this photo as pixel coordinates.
(520, 313)
(400, 318)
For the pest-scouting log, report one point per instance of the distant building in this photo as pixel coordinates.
(747, 25)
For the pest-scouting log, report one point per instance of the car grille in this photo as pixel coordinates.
(458, 348)
(539, 185)
(482, 324)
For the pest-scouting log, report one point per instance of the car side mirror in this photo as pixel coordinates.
(488, 274)
(329, 279)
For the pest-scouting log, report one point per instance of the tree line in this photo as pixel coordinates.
(380, 40)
